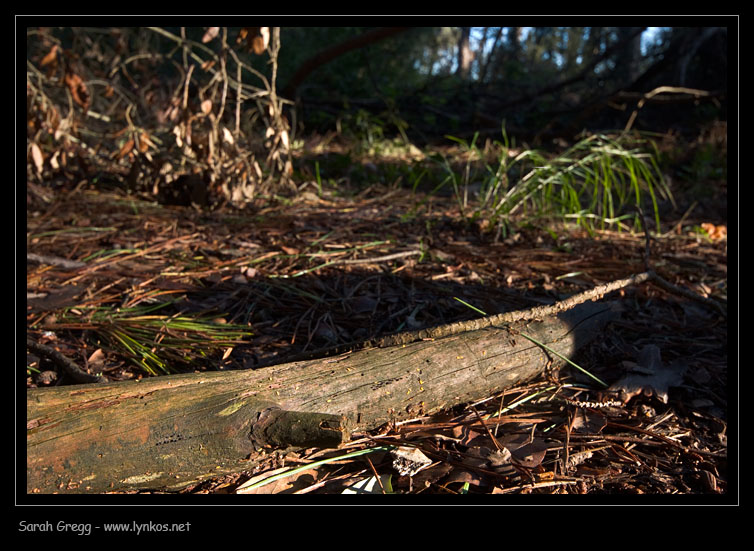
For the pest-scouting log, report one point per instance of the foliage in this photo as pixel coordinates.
(146, 105)
(531, 76)
(592, 183)
(385, 69)
(158, 344)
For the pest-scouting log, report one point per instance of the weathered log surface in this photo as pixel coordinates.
(170, 431)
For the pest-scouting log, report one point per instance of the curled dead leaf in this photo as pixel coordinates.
(715, 232)
(97, 358)
(51, 56)
(261, 40)
(526, 451)
(178, 133)
(53, 118)
(126, 149)
(78, 90)
(37, 158)
(144, 142)
(257, 38)
(210, 34)
(227, 136)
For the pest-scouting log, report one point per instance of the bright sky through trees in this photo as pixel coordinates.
(478, 35)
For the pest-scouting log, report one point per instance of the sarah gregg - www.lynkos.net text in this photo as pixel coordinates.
(85, 529)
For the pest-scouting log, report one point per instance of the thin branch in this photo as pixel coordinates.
(65, 363)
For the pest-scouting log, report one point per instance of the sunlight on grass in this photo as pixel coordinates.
(596, 183)
(155, 343)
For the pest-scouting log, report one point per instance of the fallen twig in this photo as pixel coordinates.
(55, 261)
(666, 284)
(376, 259)
(687, 293)
(68, 365)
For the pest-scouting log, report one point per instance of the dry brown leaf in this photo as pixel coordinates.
(242, 34)
(589, 421)
(126, 149)
(37, 158)
(462, 476)
(51, 57)
(649, 376)
(144, 142)
(261, 40)
(426, 477)
(257, 38)
(528, 452)
(54, 164)
(227, 136)
(96, 359)
(78, 90)
(715, 232)
(210, 34)
(178, 133)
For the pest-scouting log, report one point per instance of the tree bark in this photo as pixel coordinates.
(171, 431)
(465, 54)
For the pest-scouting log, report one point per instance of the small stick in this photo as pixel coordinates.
(68, 365)
(375, 260)
(666, 284)
(64, 263)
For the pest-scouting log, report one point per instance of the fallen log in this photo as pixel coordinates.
(168, 432)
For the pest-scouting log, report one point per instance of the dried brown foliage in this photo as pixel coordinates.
(141, 107)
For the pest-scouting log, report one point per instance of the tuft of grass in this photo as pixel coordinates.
(252, 484)
(157, 344)
(598, 182)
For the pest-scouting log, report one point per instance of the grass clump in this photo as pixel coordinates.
(157, 344)
(598, 182)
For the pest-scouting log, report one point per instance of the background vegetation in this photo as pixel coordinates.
(239, 107)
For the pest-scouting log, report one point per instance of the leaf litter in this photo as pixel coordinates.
(276, 280)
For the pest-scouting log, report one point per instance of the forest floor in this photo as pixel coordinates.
(324, 269)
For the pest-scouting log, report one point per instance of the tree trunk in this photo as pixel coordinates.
(465, 55)
(168, 432)
(335, 51)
